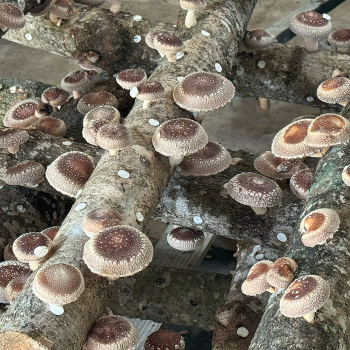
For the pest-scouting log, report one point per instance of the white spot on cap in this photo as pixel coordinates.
(80, 206)
(327, 17)
(28, 36)
(205, 33)
(261, 64)
(137, 18)
(179, 55)
(218, 67)
(309, 99)
(153, 122)
(124, 174)
(259, 256)
(56, 309)
(41, 251)
(139, 216)
(197, 220)
(20, 208)
(281, 237)
(242, 332)
(66, 143)
(134, 92)
(137, 38)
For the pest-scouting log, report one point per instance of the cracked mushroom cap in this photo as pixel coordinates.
(164, 339)
(304, 296)
(91, 129)
(185, 239)
(12, 340)
(22, 114)
(128, 78)
(277, 168)
(211, 159)
(109, 113)
(335, 90)
(69, 172)
(15, 287)
(52, 126)
(290, 141)
(12, 139)
(319, 226)
(11, 17)
(203, 92)
(257, 39)
(28, 173)
(340, 38)
(96, 99)
(255, 282)
(166, 42)
(300, 183)
(112, 333)
(281, 272)
(113, 137)
(118, 251)
(54, 96)
(99, 219)
(76, 80)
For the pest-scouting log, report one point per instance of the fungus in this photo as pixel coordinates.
(75, 81)
(168, 45)
(61, 9)
(52, 126)
(91, 129)
(28, 172)
(8, 252)
(191, 6)
(281, 272)
(109, 113)
(54, 96)
(51, 232)
(257, 39)
(12, 139)
(164, 339)
(345, 175)
(87, 59)
(11, 17)
(14, 287)
(335, 90)
(300, 183)
(185, 239)
(96, 99)
(128, 78)
(148, 92)
(43, 110)
(116, 5)
(341, 40)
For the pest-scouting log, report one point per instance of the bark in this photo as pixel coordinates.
(330, 261)
(149, 174)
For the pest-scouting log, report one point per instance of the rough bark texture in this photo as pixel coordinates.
(149, 174)
(330, 261)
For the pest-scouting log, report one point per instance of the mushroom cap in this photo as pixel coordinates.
(8, 252)
(340, 38)
(54, 96)
(12, 340)
(62, 9)
(22, 114)
(166, 42)
(150, 90)
(11, 269)
(258, 39)
(76, 80)
(69, 172)
(277, 168)
(90, 2)
(109, 113)
(91, 129)
(179, 137)
(310, 24)
(11, 17)
(319, 226)
(42, 8)
(128, 78)
(51, 232)
(113, 137)
(118, 251)
(58, 284)
(345, 175)
(289, 142)
(27, 172)
(99, 219)
(12, 137)
(24, 247)
(203, 92)
(52, 126)
(185, 239)
(255, 282)
(164, 339)
(300, 183)
(334, 90)
(194, 5)
(305, 295)
(112, 332)
(149, 39)
(281, 272)
(96, 99)
(327, 130)
(14, 287)
(43, 110)
(254, 190)
(211, 159)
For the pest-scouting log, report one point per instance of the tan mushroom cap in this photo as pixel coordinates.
(281, 272)
(99, 219)
(340, 38)
(128, 78)
(191, 6)
(54, 96)
(52, 126)
(164, 339)
(304, 296)
(185, 239)
(290, 141)
(335, 90)
(319, 226)
(277, 168)
(257, 39)
(109, 113)
(300, 183)
(28, 173)
(96, 99)
(255, 282)
(118, 251)
(12, 139)
(91, 129)
(203, 92)
(69, 172)
(211, 159)
(112, 333)
(14, 287)
(11, 17)
(345, 175)
(12, 340)
(22, 114)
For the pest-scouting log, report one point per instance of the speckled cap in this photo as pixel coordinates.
(129, 78)
(96, 99)
(167, 42)
(14, 287)
(335, 90)
(91, 129)
(194, 5)
(11, 17)
(319, 226)
(118, 251)
(76, 80)
(22, 114)
(257, 39)
(149, 39)
(277, 168)
(211, 159)
(58, 284)
(327, 130)
(52, 126)
(300, 183)
(150, 90)
(281, 272)
(109, 113)
(203, 92)
(185, 239)
(54, 96)
(112, 333)
(164, 339)
(69, 172)
(255, 282)
(305, 295)
(28, 172)
(340, 38)
(51, 232)
(12, 139)
(113, 137)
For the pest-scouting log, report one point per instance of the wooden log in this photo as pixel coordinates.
(330, 261)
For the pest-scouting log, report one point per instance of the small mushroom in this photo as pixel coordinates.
(168, 45)
(76, 81)
(14, 287)
(148, 92)
(185, 239)
(335, 90)
(54, 96)
(11, 17)
(281, 272)
(61, 9)
(340, 39)
(86, 60)
(51, 232)
(300, 183)
(192, 6)
(164, 339)
(128, 78)
(257, 39)
(91, 129)
(12, 139)
(116, 5)
(28, 172)
(109, 113)
(52, 126)
(96, 99)
(43, 110)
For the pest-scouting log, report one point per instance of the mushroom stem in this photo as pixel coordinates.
(13, 150)
(343, 103)
(175, 160)
(311, 44)
(190, 20)
(113, 152)
(146, 104)
(171, 56)
(272, 290)
(310, 317)
(53, 18)
(34, 264)
(259, 210)
(76, 94)
(263, 105)
(199, 116)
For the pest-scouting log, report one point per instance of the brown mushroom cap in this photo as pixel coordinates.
(12, 139)
(109, 113)
(76, 80)
(51, 232)
(185, 239)
(281, 272)
(52, 126)
(96, 99)
(43, 110)
(118, 251)
(112, 332)
(28, 172)
(62, 9)
(255, 282)
(14, 287)
(164, 339)
(128, 78)
(203, 92)
(305, 295)
(340, 38)
(91, 129)
(300, 183)
(150, 90)
(319, 226)
(22, 114)
(113, 137)
(211, 159)
(11, 17)
(54, 96)
(334, 90)
(166, 42)
(149, 39)
(69, 172)
(8, 252)
(257, 39)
